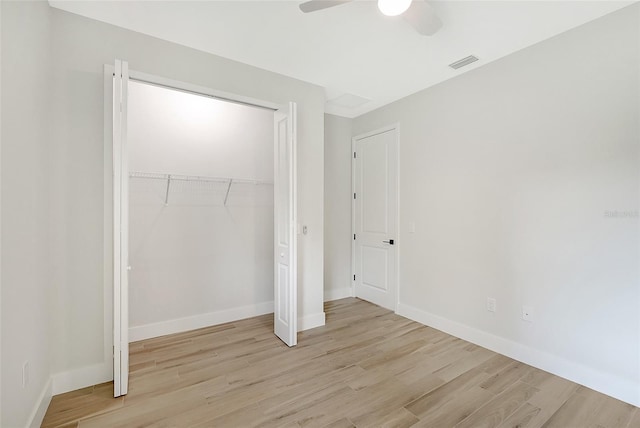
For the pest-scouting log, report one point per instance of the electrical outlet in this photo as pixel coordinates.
(527, 313)
(491, 304)
(25, 374)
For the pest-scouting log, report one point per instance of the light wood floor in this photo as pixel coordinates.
(367, 367)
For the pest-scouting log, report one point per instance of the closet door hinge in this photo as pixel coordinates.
(354, 236)
(354, 277)
(354, 155)
(354, 196)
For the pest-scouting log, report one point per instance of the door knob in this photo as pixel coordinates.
(390, 242)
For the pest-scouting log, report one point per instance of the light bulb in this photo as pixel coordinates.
(393, 7)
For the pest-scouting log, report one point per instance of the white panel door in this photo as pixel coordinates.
(120, 231)
(285, 248)
(375, 217)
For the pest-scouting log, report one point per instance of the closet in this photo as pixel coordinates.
(201, 210)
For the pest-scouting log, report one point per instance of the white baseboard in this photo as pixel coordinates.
(608, 384)
(337, 293)
(311, 321)
(198, 321)
(40, 409)
(81, 378)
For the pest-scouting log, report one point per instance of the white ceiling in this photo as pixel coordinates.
(350, 49)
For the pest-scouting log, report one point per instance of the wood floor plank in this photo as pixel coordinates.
(465, 361)
(367, 367)
(612, 413)
(447, 392)
(554, 392)
(73, 411)
(399, 418)
(634, 422)
(455, 410)
(496, 411)
(506, 377)
(521, 417)
(575, 412)
(341, 423)
(377, 401)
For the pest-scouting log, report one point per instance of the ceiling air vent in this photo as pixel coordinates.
(464, 61)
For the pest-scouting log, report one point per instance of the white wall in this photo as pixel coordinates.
(508, 172)
(337, 197)
(55, 251)
(26, 253)
(196, 257)
(174, 132)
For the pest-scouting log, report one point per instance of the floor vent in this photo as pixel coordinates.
(464, 61)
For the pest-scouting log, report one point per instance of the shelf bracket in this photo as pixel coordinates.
(166, 196)
(226, 196)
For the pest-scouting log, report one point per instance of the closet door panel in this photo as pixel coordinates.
(120, 231)
(285, 251)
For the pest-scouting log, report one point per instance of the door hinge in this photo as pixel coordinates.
(354, 196)
(354, 155)
(354, 277)
(354, 236)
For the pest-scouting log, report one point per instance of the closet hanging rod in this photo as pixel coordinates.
(177, 177)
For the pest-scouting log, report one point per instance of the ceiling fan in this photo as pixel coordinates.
(418, 13)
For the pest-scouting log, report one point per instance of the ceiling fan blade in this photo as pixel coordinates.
(314, 5)
(423, 18)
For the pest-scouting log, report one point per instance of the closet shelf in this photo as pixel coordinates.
(177, 177)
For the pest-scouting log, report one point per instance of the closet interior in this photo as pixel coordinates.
(201, 226)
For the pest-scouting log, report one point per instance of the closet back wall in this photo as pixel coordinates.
(197, 261)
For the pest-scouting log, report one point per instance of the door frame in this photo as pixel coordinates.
(394, 126)
(109, 174)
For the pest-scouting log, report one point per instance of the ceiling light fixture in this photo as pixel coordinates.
(393, 7)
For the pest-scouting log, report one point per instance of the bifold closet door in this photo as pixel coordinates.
(120, 231)
(285, 248)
